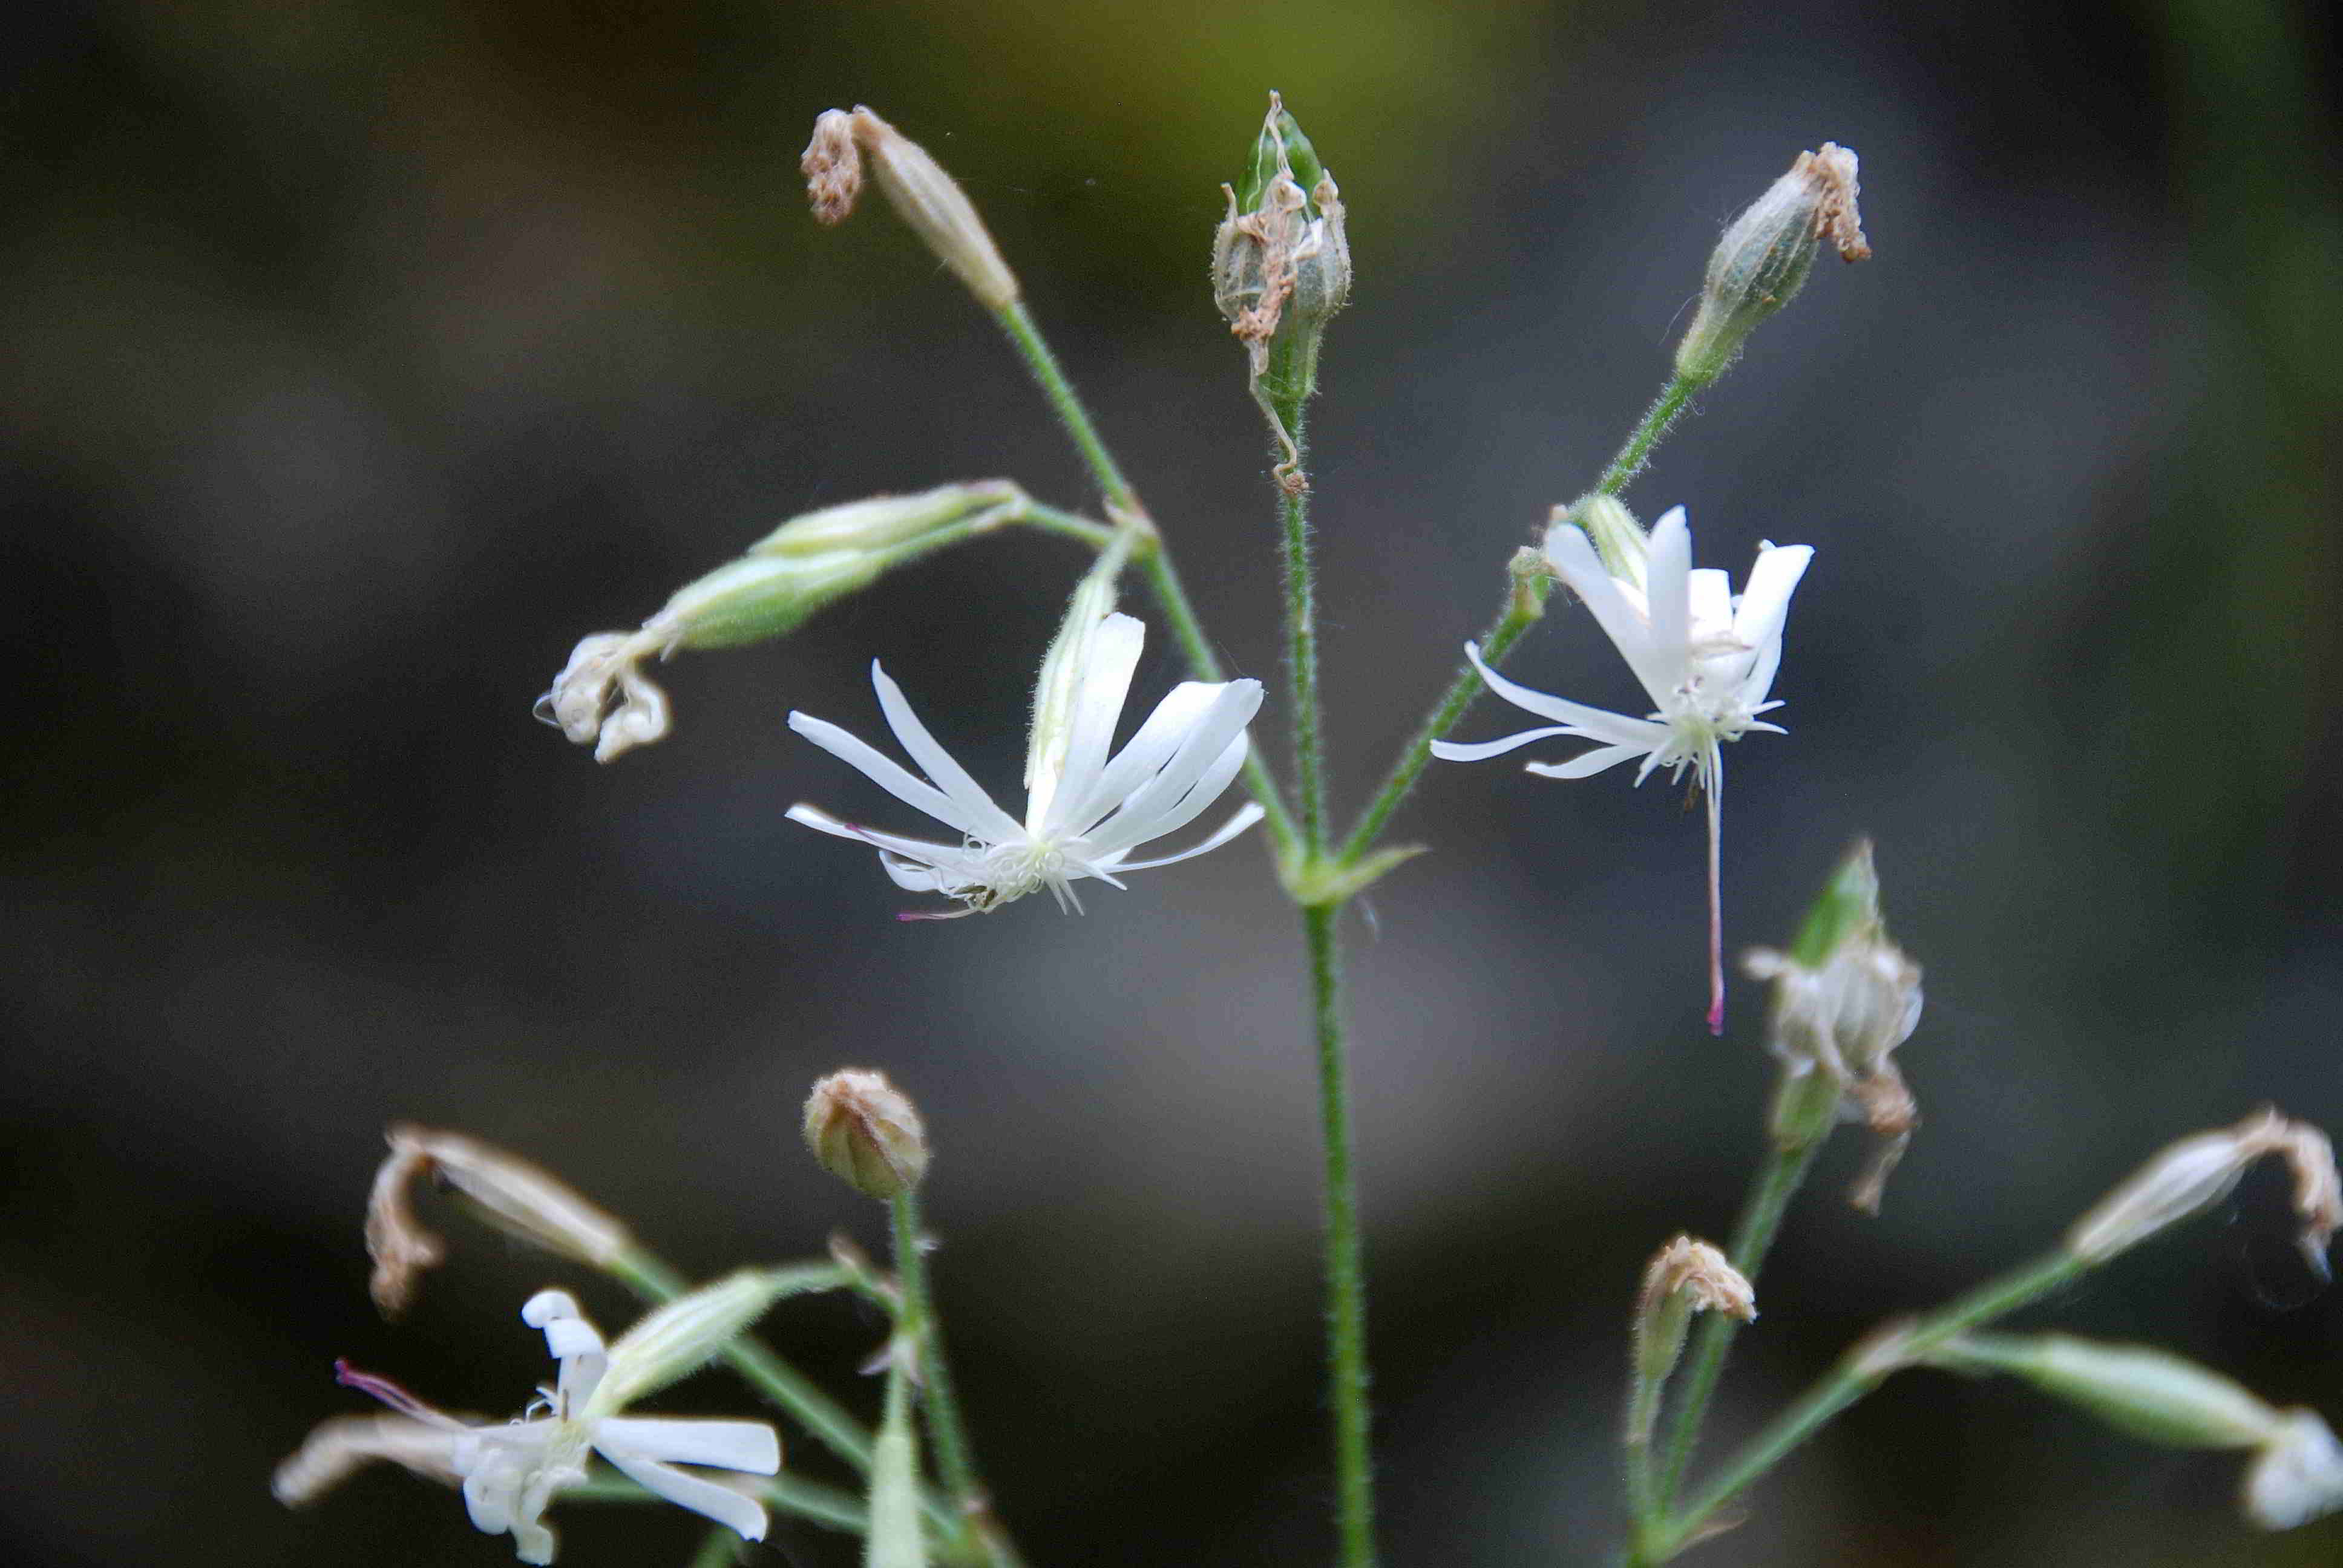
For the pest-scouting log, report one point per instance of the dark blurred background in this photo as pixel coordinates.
(360, 358)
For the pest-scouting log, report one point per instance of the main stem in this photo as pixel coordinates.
(1346, 1275)
(1657, 420)
(920, 1326)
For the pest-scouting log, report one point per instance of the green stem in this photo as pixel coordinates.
(788, 1388)
(1657, 420)
(919, 1324)
(1027, 338)
(1069, 525)
(1860, 1371)
(1285, 390)
(1777, 1183)
(1346, 1279)
(1519, 615)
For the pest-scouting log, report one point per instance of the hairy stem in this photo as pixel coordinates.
(1346, 1278)
(1657, 421)
(919, 1324)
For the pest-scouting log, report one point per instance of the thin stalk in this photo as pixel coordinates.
(1284, 393)
(1070, 524)
(1495, 643)
(1346, 1275)
(1859, 1372)
(918, 1324)
(1777, 1182)
(1657, 421)
(1016, 321)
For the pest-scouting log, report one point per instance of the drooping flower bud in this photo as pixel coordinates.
(1844, 996)
(2297, 1475)
(2192, 1175)
(1619, 539)
(1684, 1277)
(1766, 253)
(928, 198)
(866, 1134)
(603, 699)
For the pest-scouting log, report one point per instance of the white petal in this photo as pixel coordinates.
(751, 1445)
(1481, 750)
(1140, 822)
(1112, 657)
(949, 777)
(743, 1516)
(1596, 723)
(1146, 752)
(1711, 598)
(889, 775)
(1201, 748)
(1226, 831)
(964, 865)
(1629, 629)
(1765, 606)
(1668, 575)
(1588, 763)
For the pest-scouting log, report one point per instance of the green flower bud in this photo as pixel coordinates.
(1765, 254)
(884, 522)
(2147, 1393)
(1618, 537)
(865, 1132)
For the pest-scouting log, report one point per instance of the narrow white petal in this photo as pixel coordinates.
(743, 1516)
(1481, 750)
(1711, 598)
(1626, 624)
(915, 879)
(1765, 606)
(1598, 724)
(964, 865)
(1668, 573)
(1098, 704)
(988, 820)
(887, 774)
(1143, 820)
(1202, 747)
(1146, 752)
(751, 1445)
(1588, 763)
(1226, 831)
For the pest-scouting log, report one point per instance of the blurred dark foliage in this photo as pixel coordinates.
(362, 357)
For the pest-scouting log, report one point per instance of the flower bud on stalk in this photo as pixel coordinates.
(603, 699)
(2192, 1175)
(1684, 1277)
(926, 197)
(2297, 1471)
(1619, 539)
(1765, 254)
(1844, 996)
(866, 1134)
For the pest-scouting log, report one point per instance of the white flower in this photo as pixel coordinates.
(511, 1471)
(1706, 659)
(1084, 814)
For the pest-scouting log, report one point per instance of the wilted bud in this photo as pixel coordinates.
(1618, 537)
(2299, 1474)
(1844, 996)
(1684, 1277)
(1766, 253)
(1282, 257)
(602, 696)
(2195, 1173)
(866, 1133)
(928, 200)
(508, 1191)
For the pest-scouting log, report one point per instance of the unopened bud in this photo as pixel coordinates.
(1282, 257)
(928, 200)
(1684, 1277)
(2146, 1393)
(1766, 253)
(681, 1337)
(865, 1132)
(2194, 1174)
(1618, 537)
(508, 1193)
(1844, 996)
(886, 522)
